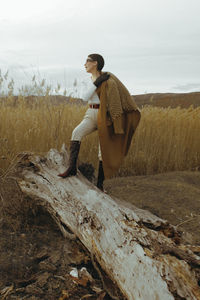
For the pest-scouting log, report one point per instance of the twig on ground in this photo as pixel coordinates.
(187, 220)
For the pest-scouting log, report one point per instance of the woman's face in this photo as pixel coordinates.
(90, 65)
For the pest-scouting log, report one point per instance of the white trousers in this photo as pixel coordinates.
(87, 126)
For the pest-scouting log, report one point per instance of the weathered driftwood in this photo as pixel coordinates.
(141, 253)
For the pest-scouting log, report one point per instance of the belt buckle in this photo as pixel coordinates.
(94, 105)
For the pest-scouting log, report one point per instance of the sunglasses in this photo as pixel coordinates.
(89, 59)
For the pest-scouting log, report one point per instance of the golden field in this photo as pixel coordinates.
(166, 139)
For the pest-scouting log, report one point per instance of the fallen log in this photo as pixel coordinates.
(141, 254)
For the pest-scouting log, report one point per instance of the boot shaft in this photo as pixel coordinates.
(100, 178)
(73, 155)
(74, 151)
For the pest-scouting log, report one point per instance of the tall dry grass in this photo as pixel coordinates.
(166, 139)
(39, 128)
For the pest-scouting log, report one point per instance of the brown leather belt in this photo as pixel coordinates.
(94, 106)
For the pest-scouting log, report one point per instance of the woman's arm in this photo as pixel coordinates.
(88, 91)
(84, 92)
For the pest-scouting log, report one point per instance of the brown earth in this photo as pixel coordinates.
(35, 259)
(173, 196)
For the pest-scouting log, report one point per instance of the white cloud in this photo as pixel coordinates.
(144, 41)
(192, 86)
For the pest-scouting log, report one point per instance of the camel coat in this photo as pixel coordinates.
(118, 118)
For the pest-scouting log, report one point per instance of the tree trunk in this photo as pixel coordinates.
(140, 253)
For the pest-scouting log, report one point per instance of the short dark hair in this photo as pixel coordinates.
(99, 59)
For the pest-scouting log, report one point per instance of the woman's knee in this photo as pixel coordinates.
(86, 127)
(76, 134)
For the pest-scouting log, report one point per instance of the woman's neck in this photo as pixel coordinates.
(95, 74)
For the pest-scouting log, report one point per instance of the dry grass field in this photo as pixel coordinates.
(166, 139)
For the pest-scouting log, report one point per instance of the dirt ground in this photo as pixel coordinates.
(35, 259)
(173, 196)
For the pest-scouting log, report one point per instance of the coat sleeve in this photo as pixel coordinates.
(88, 92)
(118, 126)
(85, 92)
(113, 105)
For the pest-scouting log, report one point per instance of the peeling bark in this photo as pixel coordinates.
(140, 253)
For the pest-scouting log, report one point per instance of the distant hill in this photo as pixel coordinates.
(173, 100)
(51, 99)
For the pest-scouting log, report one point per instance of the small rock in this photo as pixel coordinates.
(83, 273)
(74, 272)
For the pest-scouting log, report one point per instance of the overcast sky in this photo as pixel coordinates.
(151, 45)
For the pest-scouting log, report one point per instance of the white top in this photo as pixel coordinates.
(87, 93)
(90, 94)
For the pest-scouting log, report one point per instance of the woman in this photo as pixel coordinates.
(113, 112)
(94, 64)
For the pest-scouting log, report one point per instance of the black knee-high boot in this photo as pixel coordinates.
(74, 151)
(101, 177)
